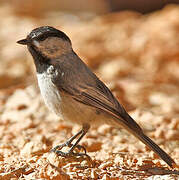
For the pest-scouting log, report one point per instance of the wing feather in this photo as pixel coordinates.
(84, 86)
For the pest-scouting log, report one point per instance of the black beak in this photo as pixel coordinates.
(23, 42)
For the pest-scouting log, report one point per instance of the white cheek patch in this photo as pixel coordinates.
(36, 43)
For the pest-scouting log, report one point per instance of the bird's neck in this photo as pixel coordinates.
(41, 63)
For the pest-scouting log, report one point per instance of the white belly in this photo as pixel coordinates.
(50, 93)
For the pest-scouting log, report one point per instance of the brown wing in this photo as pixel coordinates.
(84, 86)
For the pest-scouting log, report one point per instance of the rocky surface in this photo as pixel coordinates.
(136, 56)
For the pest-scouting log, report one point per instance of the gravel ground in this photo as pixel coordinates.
(136, 56)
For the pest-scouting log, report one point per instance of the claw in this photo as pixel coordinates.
(70, 153)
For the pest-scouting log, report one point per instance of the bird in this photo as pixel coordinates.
(73, 92)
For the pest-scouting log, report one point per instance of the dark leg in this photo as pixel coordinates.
(72, 146)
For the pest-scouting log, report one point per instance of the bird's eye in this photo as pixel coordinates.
(41, 38)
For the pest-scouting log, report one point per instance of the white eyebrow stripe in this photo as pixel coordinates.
(36, 43)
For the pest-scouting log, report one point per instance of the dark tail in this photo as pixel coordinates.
(135, 129)
(147, 141)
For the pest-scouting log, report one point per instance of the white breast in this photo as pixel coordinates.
(50, 93)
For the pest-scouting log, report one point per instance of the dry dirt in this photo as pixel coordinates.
(136, 56)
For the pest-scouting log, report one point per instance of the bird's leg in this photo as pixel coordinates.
(69, 143)
(72, 146)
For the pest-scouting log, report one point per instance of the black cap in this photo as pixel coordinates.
(47, 31)
(42, 33)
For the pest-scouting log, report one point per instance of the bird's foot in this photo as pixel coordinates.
(70, 153)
